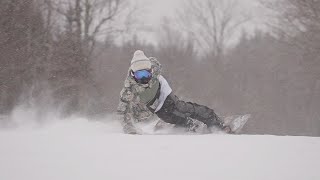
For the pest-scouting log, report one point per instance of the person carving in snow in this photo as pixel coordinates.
(147, 92)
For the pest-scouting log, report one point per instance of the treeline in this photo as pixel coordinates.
(46, 50)
(51, 58)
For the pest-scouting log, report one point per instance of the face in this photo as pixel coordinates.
(142, 76)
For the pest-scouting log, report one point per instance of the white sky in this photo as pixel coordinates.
(150, 15)
(157, 9)
(152, 12)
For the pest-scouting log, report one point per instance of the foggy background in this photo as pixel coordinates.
(237, 57)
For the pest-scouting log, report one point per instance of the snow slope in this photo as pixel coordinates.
(81, 150)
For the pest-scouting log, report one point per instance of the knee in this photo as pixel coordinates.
(185, 107)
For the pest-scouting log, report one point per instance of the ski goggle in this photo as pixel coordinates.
(142, 76)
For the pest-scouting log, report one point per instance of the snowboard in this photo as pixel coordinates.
(159, 127)
(237, 122)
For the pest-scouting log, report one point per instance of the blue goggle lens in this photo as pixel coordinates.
(142, 76)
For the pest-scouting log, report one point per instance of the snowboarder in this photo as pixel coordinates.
(147, 92)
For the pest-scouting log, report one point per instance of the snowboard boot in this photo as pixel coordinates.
(236, 122)
(227, 129)
(217, 125)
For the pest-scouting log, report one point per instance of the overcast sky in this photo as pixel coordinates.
(154, 10)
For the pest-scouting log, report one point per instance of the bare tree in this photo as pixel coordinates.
(85, 21)
(21, 34)
(172, 41)
(297, 22)
(212, 23)
(177, 53)
(93, 19)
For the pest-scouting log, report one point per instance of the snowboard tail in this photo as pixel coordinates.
(237, 122)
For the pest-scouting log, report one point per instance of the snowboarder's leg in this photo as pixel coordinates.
(199, 112)
(185, 114)
(169, 114)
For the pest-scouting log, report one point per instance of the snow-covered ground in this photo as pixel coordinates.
(77, 149)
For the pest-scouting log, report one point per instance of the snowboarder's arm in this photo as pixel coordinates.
(125, 110)
(127, 96)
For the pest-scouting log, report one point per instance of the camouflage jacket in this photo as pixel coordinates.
(130, 106)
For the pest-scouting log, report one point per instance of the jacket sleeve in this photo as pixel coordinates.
(125, 105)
(128, 95)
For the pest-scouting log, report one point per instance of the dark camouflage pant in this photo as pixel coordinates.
(175, 111)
